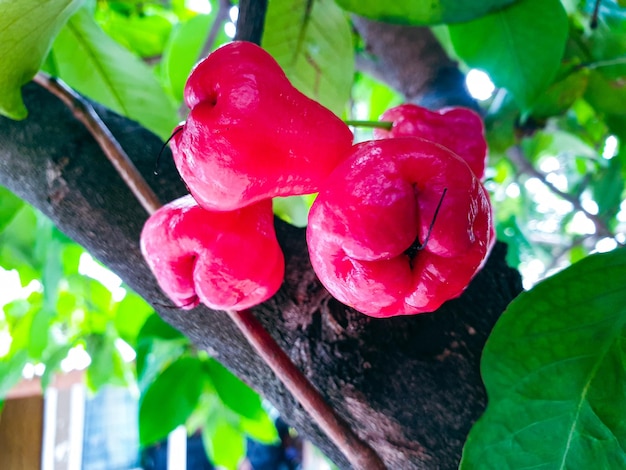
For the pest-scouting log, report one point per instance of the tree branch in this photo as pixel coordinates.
(409, 386)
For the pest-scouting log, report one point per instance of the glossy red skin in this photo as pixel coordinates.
(459, 129)
(376, 204)
(250, 134)
(226, 260)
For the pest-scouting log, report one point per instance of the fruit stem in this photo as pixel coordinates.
(412, 251)
(387, 125)
(360, 455)
(84, 112)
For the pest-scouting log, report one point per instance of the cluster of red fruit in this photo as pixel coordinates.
(400, 225)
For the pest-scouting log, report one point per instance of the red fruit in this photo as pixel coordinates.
(250, 134)
(378, 206)
(459, 129)
(226, 260)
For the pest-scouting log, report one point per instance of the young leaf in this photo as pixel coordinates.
(9, 207)
(235, 394)
(28, 29)
(520, 46)
(224, 442)
(555, 372)
(312, 42)
(170, 399)
(95, 65)
(418, 12)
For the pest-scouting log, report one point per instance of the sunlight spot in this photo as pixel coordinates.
(532, 272)
(512, 190)
(549, 164)
(126, 351)
(479, 84)
(610, 147)
(581, 224)
(5, 342)
(606, 244)
(590, 206)
(233, 13)
(230, 29)
(558, 180)
(199, 6)
(87, 266)
(77, 359)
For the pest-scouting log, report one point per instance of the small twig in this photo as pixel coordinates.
(220, 18)
(360, 455)
(516, 156)
(84, 112)
(603, 63)
(594, 16)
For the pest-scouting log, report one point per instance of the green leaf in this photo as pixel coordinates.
(95, 65)
(10, 205)
(39, 333)
(183, 49)
(144, 33)
(130, 315)
(418, 12)
(156, 327)
(261, 429)
(293, 210)
(170, 399)
(235, 394)
(312, 42)
(11, 371)
(53, 358)
(107, 365)
(607, 186)
(520, 47)
(224, 442)
(606, 95)
(555, 372)
(28, 29)
(561, 94)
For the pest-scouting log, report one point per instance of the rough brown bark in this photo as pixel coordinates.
(409, 386)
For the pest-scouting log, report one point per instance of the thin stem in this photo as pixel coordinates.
(605, 63)
(387, 125)
(360, 455)
(594, 16)
(84, 112)
(220, 17)
(517, 157)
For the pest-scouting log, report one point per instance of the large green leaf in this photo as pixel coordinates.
(419, 12)
(130, 315)
(555, 372)
(312, 41)
(170, 399)
(224, 442)
(235, 394)
(28, 29)
(520, 47)
(95, 65)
